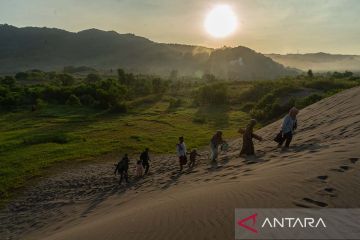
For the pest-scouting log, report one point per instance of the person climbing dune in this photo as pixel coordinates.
(248, 135)
(145, 158)
(288, 127)
(193, 154)
(181, 152)
(122, 168)
(215, 142)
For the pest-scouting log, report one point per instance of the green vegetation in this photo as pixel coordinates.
(64, 118)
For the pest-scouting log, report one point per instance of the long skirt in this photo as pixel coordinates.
(247, 147)
(214, 152)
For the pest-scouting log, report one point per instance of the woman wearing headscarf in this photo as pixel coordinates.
(248, 135)
(215, 142)
(288, 126)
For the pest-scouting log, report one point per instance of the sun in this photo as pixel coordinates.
(221, 21)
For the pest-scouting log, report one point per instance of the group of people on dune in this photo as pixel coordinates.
(289, 125)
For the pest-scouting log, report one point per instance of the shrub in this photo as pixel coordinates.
(21, 76)
(304, 102)
(119, 107)
(215, 94)
(60, 138)
(174, 103)
(92, 78)
(66, 79)
(87, 100)
(40, 103)
(247, 107)
(54, 94)
(200, 119)
(73, 100)
(8, 81)
(330, 84)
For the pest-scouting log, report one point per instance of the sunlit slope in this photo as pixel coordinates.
(320, 170)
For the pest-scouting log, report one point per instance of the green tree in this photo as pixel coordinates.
(66, 79)
(21, 76)
(73, 100)
(121, 76)
(214, 94)
(310, 73)
(92, 78)
(8, 81)
(174, 75)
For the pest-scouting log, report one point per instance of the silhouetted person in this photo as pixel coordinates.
(288, 126)
(215, 142)
(248, 135)
(145, 158)
(193, 154)
(122, 168)
(181, 152)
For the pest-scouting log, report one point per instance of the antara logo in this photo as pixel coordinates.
(242, 223)
(292, 222)
(287, 222)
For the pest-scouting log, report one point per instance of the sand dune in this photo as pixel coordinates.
(320, 170)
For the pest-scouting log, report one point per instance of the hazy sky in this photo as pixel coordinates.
(268, 26)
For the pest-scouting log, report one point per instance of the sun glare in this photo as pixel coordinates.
(221, 21)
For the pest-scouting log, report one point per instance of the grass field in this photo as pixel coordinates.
(32, 141)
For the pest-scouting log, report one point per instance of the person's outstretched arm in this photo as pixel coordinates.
(257, 137)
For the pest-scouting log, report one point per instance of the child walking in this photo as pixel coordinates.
(139, 169)
(193, 154)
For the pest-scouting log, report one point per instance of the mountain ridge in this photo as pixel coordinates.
(52, 49)
(319, 61)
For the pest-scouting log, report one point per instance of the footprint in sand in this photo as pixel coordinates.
(317, 203)
(353, 160)
(329, 189)
(250, 162)
(341, 169)
(324, 177)
(345, 168)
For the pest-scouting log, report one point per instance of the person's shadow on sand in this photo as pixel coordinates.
(173, 179)
(102, 197)
(253, 159)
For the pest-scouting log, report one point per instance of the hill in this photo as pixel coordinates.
(321, 62)
(320, 170)
(244, 63)
(52, 49)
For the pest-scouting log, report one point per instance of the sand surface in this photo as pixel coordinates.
(320, 170)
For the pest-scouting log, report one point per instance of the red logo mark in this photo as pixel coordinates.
(253, 218)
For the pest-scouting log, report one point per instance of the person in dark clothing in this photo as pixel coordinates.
(193, 154)
(181, 152)
(248, 135)
(122, 168)
(144, 157)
